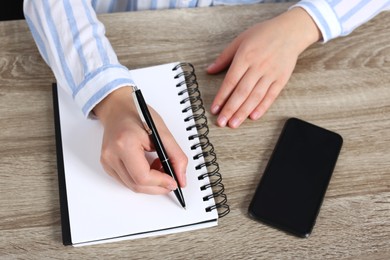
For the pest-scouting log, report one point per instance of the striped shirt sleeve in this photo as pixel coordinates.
(73, 43)
(337, 18)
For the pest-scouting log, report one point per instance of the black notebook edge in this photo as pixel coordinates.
(65, 224)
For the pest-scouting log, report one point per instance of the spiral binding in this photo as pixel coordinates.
(210, 158)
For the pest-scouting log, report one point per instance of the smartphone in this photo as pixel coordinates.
(293, 186)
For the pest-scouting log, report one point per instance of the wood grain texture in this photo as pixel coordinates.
(343, 85)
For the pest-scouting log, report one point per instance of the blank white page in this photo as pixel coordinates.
(100, 208)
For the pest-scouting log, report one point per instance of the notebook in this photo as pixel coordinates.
(95, 208)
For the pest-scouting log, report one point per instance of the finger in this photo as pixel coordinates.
(272, 93)
(113, 174)
(239, 96)
(156, 165)
(131, 185)
(111, 165)
(232, 78)
(253, 100)
(129, 181)
(225, 58)
(156, 190)
(137, 167)
(122, 174)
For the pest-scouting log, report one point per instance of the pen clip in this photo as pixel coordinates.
(141, 115)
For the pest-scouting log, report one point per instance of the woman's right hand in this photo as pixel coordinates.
(125, 142)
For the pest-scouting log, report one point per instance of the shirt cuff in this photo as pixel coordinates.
(324, 17)
(96, 86)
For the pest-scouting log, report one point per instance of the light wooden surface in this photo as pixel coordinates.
(343, 85)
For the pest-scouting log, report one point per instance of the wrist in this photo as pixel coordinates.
(118, 101)
(302, 28)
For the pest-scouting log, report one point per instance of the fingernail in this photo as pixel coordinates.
(255, 115)
(222, 120)
(235, 122)
(212, 65)
(172, 186)
(215, 109)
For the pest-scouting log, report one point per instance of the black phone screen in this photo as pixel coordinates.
(292, 188)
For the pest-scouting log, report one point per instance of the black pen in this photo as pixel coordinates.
(151, 129)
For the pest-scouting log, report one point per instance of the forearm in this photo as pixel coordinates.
(336, 18)
(72, 41)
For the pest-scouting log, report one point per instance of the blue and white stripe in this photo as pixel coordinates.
(72, 40)
(340, 17)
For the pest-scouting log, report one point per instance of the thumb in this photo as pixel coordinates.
(225, 58)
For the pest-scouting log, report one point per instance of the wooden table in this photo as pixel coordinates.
(343, 85)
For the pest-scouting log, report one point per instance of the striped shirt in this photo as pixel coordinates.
(85, 64)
